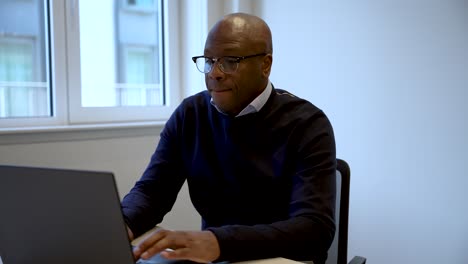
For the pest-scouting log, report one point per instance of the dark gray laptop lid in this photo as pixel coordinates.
(61, 216)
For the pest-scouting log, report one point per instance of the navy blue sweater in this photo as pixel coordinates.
(263, 183)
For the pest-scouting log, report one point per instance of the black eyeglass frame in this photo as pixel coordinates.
(237, 59)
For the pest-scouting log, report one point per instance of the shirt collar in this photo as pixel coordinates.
(255, 105)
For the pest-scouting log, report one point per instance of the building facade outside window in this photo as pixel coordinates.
(140, 55)
(25, 90)
(120, 54)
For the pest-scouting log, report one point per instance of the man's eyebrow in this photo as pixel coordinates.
(228, 52)
(224, 56)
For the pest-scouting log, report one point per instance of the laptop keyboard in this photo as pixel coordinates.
(157, 259)
(148, 261)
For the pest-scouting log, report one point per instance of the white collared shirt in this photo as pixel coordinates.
(255, 105)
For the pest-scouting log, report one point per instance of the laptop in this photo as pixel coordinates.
(53, 216)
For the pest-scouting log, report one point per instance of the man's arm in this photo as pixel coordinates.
(156, 192)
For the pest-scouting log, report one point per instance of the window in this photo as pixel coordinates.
(141, 5)
(121, 58)
(141, 58)
(97, 62)
(141, 79)
(24, 85)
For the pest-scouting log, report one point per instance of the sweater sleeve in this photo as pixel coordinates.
(155, 193)
(308, 232)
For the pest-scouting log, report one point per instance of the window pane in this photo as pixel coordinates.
(24, 71)
(141, 3)
(121, 49)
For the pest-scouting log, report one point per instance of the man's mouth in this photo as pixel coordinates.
(220, 91)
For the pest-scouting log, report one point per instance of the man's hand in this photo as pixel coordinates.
(199, 246)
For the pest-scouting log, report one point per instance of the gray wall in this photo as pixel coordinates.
(122, 152)
(393, 78)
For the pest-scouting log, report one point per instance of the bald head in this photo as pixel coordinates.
(234, 83)
(242, 31)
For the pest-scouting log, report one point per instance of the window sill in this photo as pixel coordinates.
(10, 136)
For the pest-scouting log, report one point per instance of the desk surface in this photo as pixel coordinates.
(260, 261)
(269, 261)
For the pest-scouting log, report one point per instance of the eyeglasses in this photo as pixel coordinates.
(227, 64)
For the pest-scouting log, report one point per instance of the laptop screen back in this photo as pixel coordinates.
(61, 216)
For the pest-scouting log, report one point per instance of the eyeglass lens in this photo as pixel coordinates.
(226, 65)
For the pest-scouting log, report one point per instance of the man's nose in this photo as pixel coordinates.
(216, 72)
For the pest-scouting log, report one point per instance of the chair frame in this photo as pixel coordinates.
(343, 168)
(345, 172)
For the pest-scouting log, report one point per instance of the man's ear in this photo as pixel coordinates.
(266, 66)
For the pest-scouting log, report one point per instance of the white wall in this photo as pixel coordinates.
(393, 78)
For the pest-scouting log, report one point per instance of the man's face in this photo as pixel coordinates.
(231, 92)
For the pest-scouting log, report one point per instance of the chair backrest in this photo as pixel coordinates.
(338, 252)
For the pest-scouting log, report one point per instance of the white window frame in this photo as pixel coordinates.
(57, 77)
(84, 115)
(65, 78)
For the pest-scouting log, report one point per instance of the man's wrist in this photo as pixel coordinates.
(130, 233)
(214, 245)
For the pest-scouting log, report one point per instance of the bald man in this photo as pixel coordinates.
(259, 162)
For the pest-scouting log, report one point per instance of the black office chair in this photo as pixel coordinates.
(338, 252)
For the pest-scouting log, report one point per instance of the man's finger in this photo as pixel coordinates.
(180, 253)
(168, 240)
(147, 243)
